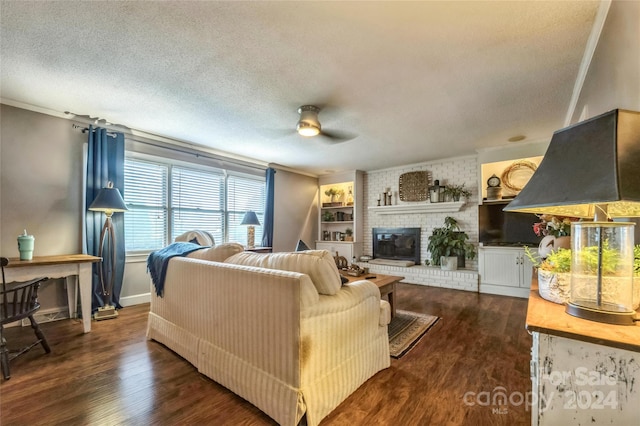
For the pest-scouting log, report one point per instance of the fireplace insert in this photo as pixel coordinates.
(397, 244)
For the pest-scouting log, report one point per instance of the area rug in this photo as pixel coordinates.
(406, 329)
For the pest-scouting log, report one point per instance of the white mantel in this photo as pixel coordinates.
(408, 208)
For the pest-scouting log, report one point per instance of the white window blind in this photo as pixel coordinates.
(244, 194)
(166, 200)
(145, 194)
(197, 202)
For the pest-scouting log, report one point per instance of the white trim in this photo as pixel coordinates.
(136, 299)
(592, 43)
(522, 292)
(453, 206)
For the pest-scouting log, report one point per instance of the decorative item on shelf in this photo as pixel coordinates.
(413, 186)
(436, 192)
(108, 201)
(602, 264)
(494, 190)
(348, 234)
(387, 196)
(326, 236)
(334, 194)
(328, 216)
(250, 220)
(449, 240)
(516, 176)
(456, 191)
(350, 196)
(25, 245)
(379, 198)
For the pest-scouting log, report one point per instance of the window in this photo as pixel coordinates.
(166, 199)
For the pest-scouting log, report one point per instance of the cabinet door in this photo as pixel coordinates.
(343, 249)
(502, 267)
(527, 270)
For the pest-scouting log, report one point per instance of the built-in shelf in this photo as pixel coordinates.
(336, 222)
(452, 206)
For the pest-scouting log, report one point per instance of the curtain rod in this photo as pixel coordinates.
(86, 129)
(181, 147)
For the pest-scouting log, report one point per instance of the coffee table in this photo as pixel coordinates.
(386, 284)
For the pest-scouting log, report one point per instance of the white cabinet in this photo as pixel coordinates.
(343, 248)
(341, 216)
(504, 270)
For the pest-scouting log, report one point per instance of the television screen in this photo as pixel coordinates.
(497, 227)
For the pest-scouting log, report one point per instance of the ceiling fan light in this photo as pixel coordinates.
(307, 129)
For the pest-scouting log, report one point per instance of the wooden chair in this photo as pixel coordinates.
(19, 301)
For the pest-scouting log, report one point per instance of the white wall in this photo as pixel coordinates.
(40, 188)
(295, 211)
(613, 78)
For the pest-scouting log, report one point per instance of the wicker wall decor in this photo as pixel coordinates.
(516, 176)
(414, 186)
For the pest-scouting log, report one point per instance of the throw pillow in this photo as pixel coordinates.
(218, 253)
(318, 264)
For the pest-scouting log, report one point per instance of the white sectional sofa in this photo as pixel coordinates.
(280, 329)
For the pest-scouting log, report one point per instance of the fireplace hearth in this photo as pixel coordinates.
(397, 244)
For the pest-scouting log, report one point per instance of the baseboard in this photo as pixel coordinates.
(136, 299)
(522, 292)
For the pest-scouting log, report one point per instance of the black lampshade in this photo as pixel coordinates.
(108, 200)
(250, 218)
(593, 163)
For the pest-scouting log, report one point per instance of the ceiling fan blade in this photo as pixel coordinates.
(338, 136)
(278, 133)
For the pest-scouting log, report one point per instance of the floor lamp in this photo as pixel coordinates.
(250, 219)
(108, 201)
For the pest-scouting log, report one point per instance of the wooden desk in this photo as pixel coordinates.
(63, 266)
(386, 284)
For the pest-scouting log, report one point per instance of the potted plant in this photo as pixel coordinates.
(327, 216)
(450, 241)
(554, 280)
(349, 234)
(456, 191)
(332, 193)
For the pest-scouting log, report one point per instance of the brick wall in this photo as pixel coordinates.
(454, 171)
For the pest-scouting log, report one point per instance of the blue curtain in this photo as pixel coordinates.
(267, 229)
(105, 162)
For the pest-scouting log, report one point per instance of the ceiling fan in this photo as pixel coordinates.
(309, 125)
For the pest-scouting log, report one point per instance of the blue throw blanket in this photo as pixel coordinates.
(158, 261)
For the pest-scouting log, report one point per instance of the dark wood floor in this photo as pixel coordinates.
(113, 375)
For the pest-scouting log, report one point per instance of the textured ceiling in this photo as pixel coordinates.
(416, 81)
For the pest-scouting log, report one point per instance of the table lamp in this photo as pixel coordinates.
(591, 170)
(250, 219)
(108, 201)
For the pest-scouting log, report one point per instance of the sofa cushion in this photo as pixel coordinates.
(318, 264)
(218, 253)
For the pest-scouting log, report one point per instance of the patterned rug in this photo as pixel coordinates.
(406, 329)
